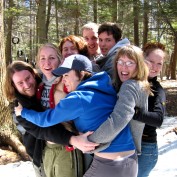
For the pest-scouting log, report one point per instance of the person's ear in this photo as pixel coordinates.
(82, 75)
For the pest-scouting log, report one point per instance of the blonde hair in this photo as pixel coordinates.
(142, 71)
(49, 45)
(91, 26)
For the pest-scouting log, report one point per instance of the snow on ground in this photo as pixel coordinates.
(166, 165)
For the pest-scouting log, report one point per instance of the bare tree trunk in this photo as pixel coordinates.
(95, 11)
(9, 134)
(136, 22)
(41, 22)
(114, 11)
(56, 17)
(48, 17)
(173, 63)
(76, 29)
(173, 30)
(8, 47)
(145, 21)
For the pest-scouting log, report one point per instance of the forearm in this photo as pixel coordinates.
(57, 134)
(81, 142)
(120, 117)
(154, 119)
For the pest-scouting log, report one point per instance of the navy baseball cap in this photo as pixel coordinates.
(74, 62)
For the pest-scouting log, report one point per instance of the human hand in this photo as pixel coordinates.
(81, 142)
(18, 110)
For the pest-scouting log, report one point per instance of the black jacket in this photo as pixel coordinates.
(35, 137)
(156, 112)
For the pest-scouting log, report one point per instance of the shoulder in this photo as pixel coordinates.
(158, 90)
(132, 84)
(133, 87)
(157, 86)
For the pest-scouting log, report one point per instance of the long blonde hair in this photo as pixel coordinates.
(142, 71)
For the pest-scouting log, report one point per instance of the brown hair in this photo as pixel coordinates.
(151, 46)
(111, 28)
(87, 75)
(77, 41)
(9, 89)
(142, 71)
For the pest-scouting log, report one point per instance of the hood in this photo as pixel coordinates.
(99, 82)
(119, 44)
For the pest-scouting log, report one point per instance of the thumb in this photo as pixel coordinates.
(88, 133)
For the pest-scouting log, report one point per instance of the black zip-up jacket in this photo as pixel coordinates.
(156, 112)
(35, 137)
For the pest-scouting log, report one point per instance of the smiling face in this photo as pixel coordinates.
(106, 42)
(24, 82)
(68, 49)
(156, 59)
(126, 68)
(91, 38)
(48, 61)
(70, 80)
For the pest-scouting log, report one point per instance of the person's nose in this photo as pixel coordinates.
(47, 62)
(124, 66)
(63, 80)
(26, 84)
(102, 44)
(69, 51)
(154, 67)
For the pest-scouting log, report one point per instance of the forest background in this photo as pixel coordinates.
(25, 24)
(29, 23)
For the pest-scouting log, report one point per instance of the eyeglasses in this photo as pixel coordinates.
(127, 63)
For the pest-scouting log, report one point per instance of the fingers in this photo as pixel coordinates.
(87, 149)
(91, 144)
(88, 133)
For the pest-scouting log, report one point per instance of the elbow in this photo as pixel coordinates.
(160, 120)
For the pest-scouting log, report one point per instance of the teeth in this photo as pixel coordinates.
(124, 73)
(91, 47)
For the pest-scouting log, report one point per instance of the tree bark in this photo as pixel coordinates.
(173, 63)
(95, 11)
(136, 22)
(41, 22)
(9, 134)
(145, 21)
(8, 52)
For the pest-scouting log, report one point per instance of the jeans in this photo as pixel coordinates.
(148, 159)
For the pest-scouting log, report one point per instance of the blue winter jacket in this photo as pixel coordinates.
(88, 106)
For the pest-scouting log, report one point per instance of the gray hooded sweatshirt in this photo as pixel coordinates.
(106, 62)
(131, 95)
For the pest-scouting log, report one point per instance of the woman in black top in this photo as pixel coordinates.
(154, 53)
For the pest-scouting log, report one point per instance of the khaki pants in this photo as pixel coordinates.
(60, 163)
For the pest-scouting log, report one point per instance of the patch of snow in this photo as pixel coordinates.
(18, 169)
(167, 144)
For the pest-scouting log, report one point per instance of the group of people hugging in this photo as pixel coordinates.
(91, 105)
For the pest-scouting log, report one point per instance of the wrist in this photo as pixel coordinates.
(72, 140)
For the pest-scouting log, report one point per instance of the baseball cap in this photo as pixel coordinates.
(74, 62)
